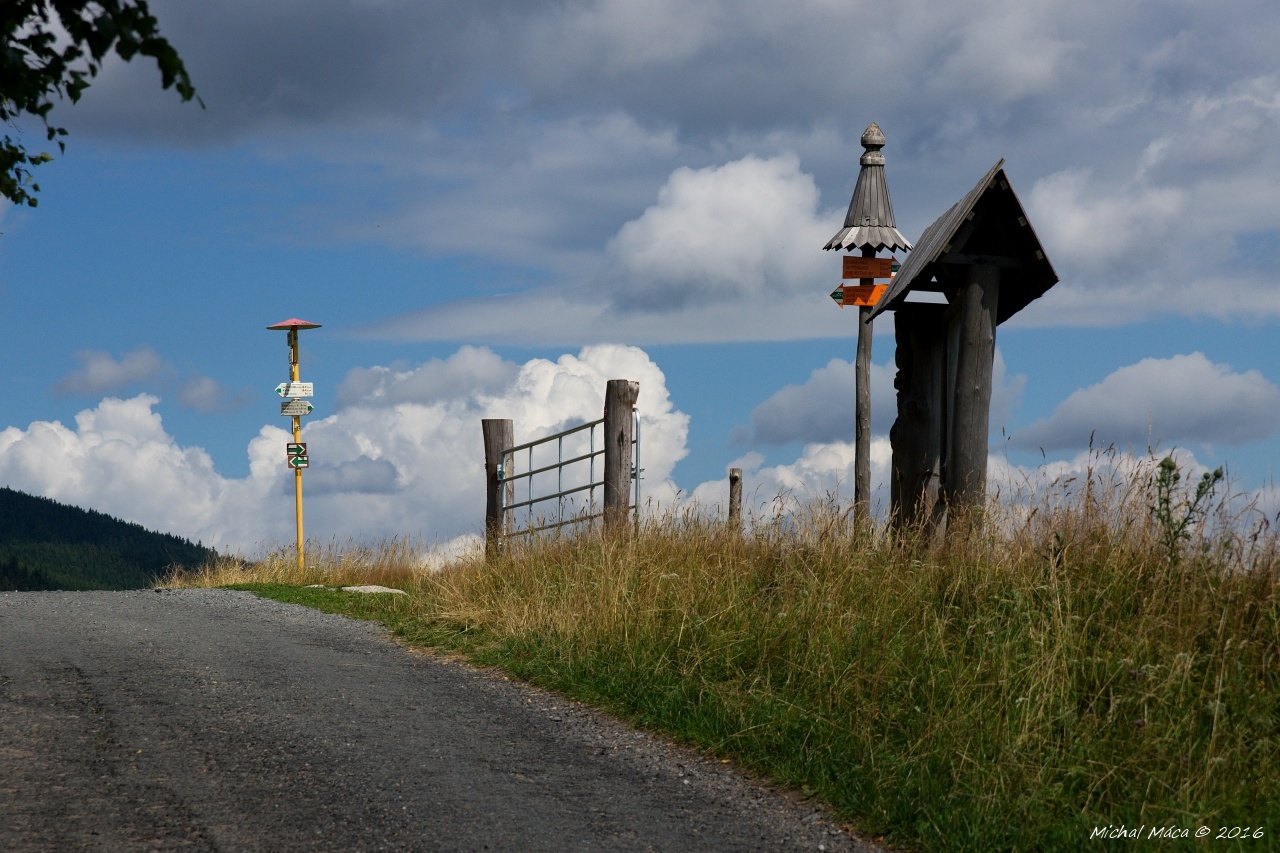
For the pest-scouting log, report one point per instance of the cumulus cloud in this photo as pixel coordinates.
(730, 252)
(744, 230)
(402, 457)
(822, 409)
(1186, 398)
(102, 373)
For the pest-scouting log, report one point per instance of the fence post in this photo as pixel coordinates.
(498, 436)
(735, 499)
(619, 407)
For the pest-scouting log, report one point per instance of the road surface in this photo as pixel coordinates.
(216, 720)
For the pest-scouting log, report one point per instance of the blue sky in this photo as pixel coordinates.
(494, 207)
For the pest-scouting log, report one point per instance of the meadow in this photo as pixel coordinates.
(1091, 655)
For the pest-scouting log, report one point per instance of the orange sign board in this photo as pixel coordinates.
(856, 267)
(860, 295)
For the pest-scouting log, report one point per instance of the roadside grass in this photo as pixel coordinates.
(1065, 665)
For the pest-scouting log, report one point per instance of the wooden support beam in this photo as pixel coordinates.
(499, 434)
(965, 481)
(620, 397)
(917, 434)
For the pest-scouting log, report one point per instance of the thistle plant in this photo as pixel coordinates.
(1175, 517)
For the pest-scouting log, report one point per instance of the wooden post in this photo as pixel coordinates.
(862, 413)
(735, 499)
(965, 482)
(620, 397)
(917, 435)
(499, 434)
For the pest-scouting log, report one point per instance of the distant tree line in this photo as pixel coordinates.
(48, 545)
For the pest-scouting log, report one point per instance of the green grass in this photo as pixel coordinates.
(1055, 671)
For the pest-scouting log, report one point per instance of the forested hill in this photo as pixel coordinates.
(48, 545)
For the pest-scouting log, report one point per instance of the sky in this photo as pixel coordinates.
(492, 208)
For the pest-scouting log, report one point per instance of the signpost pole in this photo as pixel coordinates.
(295, 406)
(297, 439)
(862, 408)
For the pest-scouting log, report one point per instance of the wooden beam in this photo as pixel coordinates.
(965, 479)
(917, 434)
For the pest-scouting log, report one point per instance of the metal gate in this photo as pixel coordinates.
(569, 508)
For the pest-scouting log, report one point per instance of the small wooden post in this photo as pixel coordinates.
(620, 397)
(965, 483)
(499, 434)
(735, 499)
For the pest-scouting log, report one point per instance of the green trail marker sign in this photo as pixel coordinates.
(297, 454)
(296, 408)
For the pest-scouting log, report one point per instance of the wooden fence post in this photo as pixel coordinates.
(499, 434)
(620, 397)
(735, 499)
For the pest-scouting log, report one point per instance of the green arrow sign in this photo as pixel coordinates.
(298, 462)
(294, 408)
(296, 449)
(838, 295)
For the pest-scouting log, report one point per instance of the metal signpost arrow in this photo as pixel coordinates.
(295, 389)
(296, 409)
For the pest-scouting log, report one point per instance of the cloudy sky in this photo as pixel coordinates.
(494, 207)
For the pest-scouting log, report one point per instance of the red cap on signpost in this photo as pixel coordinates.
(293, 323)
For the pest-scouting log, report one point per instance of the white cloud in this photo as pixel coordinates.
(101, 373)
(1096, 224)
(746, 230)
(1186, 398)
(403, 457)
(1002, 50)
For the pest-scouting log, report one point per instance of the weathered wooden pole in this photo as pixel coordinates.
(499, 434)
(862, 406)
(966, 478)
(620, 397)
(735, 499)
(918, 434)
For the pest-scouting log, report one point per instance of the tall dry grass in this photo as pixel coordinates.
(1054, 668)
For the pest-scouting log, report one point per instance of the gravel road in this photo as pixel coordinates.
(216, 720)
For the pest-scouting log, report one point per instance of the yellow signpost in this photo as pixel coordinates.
(295, 407)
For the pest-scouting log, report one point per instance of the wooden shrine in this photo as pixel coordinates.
(984, 259)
